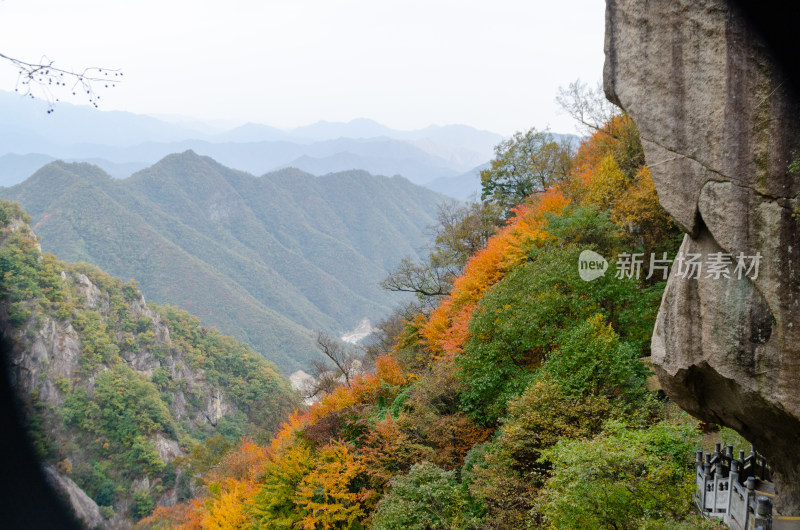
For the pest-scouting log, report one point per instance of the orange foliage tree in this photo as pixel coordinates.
(446, 330)
(293, 483)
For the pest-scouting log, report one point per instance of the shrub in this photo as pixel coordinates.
(542, 416)
(107, 511)
(428, 498)
(142, 457)
(622, 478)
(591, 360)
(143, 504)
(507, 494)
(586, 227)
(105, 493)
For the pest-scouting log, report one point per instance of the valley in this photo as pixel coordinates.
(270, 259)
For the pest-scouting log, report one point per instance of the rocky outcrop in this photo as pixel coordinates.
(720, 130)
(45, 366)
(82, 505)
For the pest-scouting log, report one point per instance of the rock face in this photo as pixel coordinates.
(45, 365)
(720, 130)
(84, 507)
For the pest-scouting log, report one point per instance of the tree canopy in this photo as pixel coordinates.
(524, 164)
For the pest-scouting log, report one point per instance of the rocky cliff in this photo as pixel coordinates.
(720, 131)
(116, 389)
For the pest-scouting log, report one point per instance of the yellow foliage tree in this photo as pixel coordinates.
(641, 215)
(328, 496)
(607, 184)
(224, 510)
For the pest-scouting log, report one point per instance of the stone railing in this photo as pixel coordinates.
(736, 490)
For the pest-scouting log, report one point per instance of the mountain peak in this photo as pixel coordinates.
(186, 157)
(59, 170)
(188, 154)
(364, 121)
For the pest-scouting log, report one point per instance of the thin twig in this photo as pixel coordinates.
(46, 77)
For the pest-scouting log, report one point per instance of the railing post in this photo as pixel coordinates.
(698, 480)
(751, 486)
(719, 476)
(718, 485)
(763, 514)
(733, 479)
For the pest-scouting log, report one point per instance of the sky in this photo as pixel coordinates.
(494, 65)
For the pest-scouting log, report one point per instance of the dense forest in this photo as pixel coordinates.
(513, 393)
(119, 393)
(269, 259)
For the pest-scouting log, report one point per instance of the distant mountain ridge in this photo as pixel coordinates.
(442, 158)
(465, 187)
(123, 143)
(267, 259)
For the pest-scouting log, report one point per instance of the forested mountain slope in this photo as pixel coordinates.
(117, 392)
(514, 397)
(268, 259)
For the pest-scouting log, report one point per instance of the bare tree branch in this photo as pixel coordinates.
(419, 278)
(48, 79)
(343, 357)
(325, 380)
(461, 231)
(588, 106)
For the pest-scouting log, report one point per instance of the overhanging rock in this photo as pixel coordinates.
(720, 129)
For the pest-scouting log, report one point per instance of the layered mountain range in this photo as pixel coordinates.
(441, 157)
(268, 259)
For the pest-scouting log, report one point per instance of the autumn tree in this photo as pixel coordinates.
(461, 230)
(650, 226)
(524, 164)
(432, 417)
(611, 129)
(610, 170)
(328, 496)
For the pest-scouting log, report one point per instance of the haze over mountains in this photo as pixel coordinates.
(441, 157)
(267, 259)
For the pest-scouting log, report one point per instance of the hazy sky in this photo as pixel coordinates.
(495, 65)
